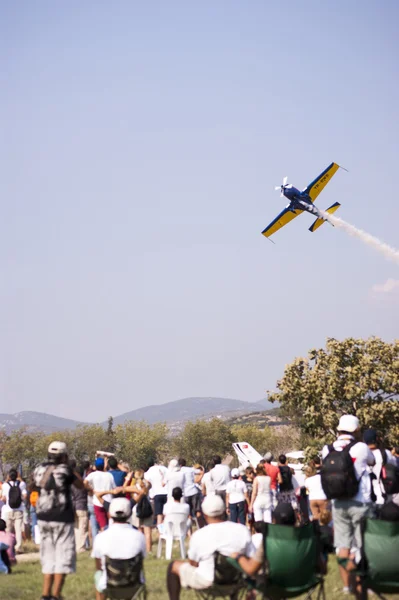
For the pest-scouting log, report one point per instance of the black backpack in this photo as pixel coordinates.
(389, 475)
(14, 495)
(338, 475)
(143, 508)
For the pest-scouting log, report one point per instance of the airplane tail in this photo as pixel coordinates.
(246, 454)
(319, 222)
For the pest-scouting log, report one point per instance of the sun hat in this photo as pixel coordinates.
(235, 473)
(57, 448)
(348, 423)
(120, 508)
(213, 506)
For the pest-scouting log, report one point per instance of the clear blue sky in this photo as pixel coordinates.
(141, 142)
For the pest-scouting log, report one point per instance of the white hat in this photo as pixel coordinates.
(235, 473)
(57, 448)
(268, 457)
(120, 508)
(348, 423)
(213, 506)
(174, 466)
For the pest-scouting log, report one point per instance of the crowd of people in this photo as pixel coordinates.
(112, 511)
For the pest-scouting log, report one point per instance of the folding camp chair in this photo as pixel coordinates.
(228, 582)
(290, 563)
(125, 578)
(379, 567)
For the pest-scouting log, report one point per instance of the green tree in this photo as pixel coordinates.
(19, 449)
(353, 376)
(200, 440)
(111, 441)
(137, 442)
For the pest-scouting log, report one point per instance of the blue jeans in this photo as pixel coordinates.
(93, 522)
(33, 521)
(237, 512)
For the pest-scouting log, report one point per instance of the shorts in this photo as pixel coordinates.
(190, 578)
(159, 502)
(347, 515)
(194, 503)
(101, 516)
(99, 582)
(57, 547)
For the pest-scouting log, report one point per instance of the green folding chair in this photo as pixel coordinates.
(229, 582)
(291, 563)
(379, 567)
(125, 578)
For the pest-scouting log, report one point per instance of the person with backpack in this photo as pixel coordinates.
(55, 515)
(385, 472)
(13, 495)
(346, 481)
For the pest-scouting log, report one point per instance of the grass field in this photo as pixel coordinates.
(25, 582)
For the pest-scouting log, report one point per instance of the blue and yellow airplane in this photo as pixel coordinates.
(300, 202)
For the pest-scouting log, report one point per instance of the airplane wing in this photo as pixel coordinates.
(282, 219)
(318, 185)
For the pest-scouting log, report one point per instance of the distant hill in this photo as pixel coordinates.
(187, 409)
(174, 413)
(35, 421)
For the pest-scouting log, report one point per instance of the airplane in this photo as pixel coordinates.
(300, 202)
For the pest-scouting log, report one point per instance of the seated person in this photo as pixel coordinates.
(176, 506)
(389, 512)
(257, 537)
(218, 535)
(9, 539)
(119, 541)
(4, 560)
(284, 514)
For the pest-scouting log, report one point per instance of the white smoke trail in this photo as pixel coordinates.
(389, 252)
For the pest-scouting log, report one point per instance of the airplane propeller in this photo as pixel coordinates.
(282, 186)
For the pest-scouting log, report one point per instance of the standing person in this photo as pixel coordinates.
(174, 477)
(157, 476)
(191, 493)
(274, 473)
(79, 501)
(139, 487)
(382, 457)
(317, 498)
(99, 481)
(13, 495)
(261, 500)
(236, 496)
(117, 473)
(286, 491)
(9, 540)
(207, 486)
(220, 476)
(345, 476)
(55, 516)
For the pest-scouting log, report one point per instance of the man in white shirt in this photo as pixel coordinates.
(236, 496)
(13, 514)
(100, 481)
(348, 513)
(120, 541)
(157, 475)
(370, 437)
(220, 475)
(174, 477)
(190, 491)
(218, 536)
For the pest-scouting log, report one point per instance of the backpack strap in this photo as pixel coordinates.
(349, 446)
(46, 476)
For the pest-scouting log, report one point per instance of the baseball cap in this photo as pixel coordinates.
(370, 436)
(120, 508)
(213, 506)
(235, 473)
(57, 448)
(99, 462)
(348, 423)
(268, 457)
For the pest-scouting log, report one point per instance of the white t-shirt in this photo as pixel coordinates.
(101, 481)
(121, 541)
(363, 458)
(314, 487)
(5, 492)
(157, 476)
(189, 487)
(174, 479)
(225, 537)
(378, 486)
(176, 508)
(236, 489)
(208, 483)
(220, 477)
